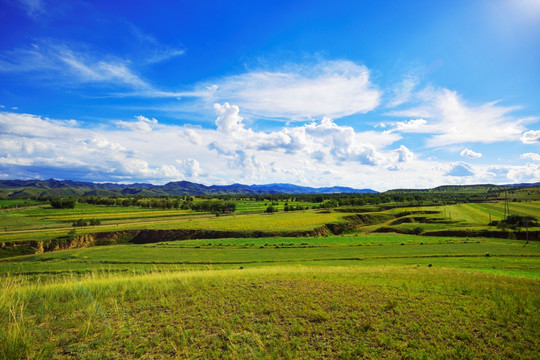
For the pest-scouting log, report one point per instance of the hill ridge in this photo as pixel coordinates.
(53, 187)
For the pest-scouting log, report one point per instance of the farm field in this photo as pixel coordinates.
(44, 219)
(495, 255)
(43, 222)
(350, 291)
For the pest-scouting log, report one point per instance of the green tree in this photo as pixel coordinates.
(517, 222)
(271, 209)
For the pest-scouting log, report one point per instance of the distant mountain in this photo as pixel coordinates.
(65, 188)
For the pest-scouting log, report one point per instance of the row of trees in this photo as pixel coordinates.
(215, 207)
(515, 222)
(63, 203)
(83, 222)
(440, 196)
(155, 203)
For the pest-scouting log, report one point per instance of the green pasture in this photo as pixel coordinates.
(375, 250)
(13, 203)
(246, 207)
(285, 312)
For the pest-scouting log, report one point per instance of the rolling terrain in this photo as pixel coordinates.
(411, 279)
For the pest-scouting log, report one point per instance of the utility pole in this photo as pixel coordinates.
(505, 205)
(527, 230)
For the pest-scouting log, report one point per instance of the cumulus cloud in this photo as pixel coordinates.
(191, 168)
(531, 137)
(531, 156)
(317, 140)
(333, 88)
(192, 136)
(470, 154)
(451, 121)
(404, 154)
(318, 153)
(527, 173)
(411, 125)
(461, 170)
(228, 120)
(102, 143)
(49, 146)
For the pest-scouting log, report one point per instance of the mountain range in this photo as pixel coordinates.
(65, 188)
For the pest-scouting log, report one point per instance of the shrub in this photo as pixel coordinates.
(63, 203)
(418, 230)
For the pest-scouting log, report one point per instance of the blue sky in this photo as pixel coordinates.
(379, 94)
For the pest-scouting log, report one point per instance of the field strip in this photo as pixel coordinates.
(480, 209)
(241, 262)
(496, 210)
(111, 226)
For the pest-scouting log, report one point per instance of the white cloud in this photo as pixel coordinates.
(523, 174)
(102, 143)
(334, 88)
(191, 168)
(404, 155)
(410, 125)
(32, 7)
(228, 120)
(51, 147)
(192, 136)
(58, 62)
(403, 92)
(470, 154)
(142, 124)
(320, 153)
(460, 170)
(451, 121)
(320, 142)
(531, 137)
(531, 156)
(152, 50)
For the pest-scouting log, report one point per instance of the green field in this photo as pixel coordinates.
(358, 294)
(43, 222)
(490, 255)
(278, 312)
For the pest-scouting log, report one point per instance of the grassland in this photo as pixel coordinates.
(278, 312)
(361, 294)
(495, 255)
